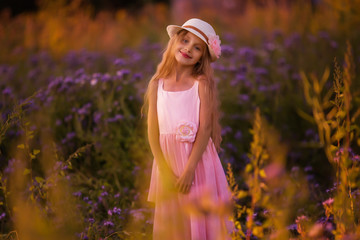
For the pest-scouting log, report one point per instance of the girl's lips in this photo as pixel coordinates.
(185, 55)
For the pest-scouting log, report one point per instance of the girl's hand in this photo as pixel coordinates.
(185, 181)
(169, 179)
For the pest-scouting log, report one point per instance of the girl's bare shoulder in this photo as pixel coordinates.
(153, 85)
(203, 85)
(201, 78)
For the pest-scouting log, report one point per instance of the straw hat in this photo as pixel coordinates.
(204, 31)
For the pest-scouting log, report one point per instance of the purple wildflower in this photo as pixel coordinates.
(292, 40)
(105, 77)
(238, 135)
(333, 44)
(270, 46)
(137, 214)
(116, 118)
(123, 73)
(226, 130)
(119, 88)
(247, 53)
(68, 118)
(231, 146)
(57, 165)
(108, 224)
(11, 165)
(119, 62)
(79, 72)
(227, 50)
(85, 109)
(243, 98)
(137, 76)
(135, 170)
(238, 78)
(262, 88)
(77, 194)
(308, 169)
(70, 135)
(324, 35)
(97, 117)
(7, 91)
(116, 210)
(260, 71)
(58, 122)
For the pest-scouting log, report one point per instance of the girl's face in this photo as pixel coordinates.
(189, 49)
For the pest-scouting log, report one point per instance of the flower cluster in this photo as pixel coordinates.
(214, 43)
(186, 131)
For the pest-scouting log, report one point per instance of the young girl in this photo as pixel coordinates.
(188, 183)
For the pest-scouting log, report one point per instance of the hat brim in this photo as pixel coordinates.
(173, 29)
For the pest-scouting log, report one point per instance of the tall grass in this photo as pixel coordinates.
(266, 207)
(339, 132)
(272, 198)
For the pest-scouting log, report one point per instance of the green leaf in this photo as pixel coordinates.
(333, 148)
(27, 171)
(305, 115)
(241, 194)
(39, 179)
(21, 146)
(341, 114)
(248, 168)
(340, 133)
(36, 151)
(262, 173)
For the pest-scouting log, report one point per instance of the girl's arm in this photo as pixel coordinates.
(168, 177)
(202, 139)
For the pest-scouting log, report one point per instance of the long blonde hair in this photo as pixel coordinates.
(202, 68)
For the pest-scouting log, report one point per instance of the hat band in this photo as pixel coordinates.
(199, 31)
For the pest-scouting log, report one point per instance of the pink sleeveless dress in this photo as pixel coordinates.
(196, 215)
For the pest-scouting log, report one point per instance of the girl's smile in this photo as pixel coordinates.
(185, 55)
(189, 50)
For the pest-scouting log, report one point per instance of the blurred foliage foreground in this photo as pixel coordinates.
(74, 158)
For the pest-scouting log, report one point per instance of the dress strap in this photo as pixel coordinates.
(160, 84)
(196, 87)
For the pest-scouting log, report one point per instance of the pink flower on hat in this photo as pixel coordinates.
(186, 131)
(214, 43)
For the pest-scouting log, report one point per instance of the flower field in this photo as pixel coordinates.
(74, 158)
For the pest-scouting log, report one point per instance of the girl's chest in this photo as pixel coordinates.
(173, 86)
